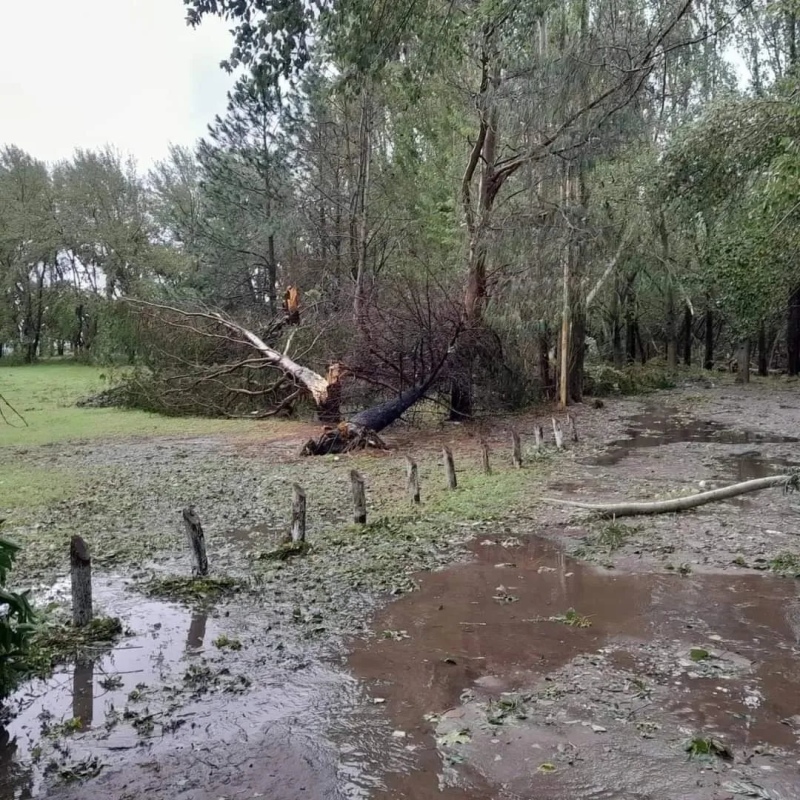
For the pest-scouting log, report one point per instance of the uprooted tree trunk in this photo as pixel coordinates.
(614, 510)
(362, 429)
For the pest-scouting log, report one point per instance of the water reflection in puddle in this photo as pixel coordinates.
(664, 426)
(208, 718)
(461, 636)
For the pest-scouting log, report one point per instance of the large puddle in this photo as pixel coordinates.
(461, 632)
(168, 714)
(663, 426)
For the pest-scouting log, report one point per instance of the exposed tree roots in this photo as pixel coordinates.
(613, 510)
(344, 438)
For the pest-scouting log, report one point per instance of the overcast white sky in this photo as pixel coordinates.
(85, 73)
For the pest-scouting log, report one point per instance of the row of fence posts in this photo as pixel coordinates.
(81, 562)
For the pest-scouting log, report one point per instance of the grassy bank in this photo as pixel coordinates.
(45, 395)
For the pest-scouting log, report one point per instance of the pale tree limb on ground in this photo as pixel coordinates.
(613, 510)
(316, 384)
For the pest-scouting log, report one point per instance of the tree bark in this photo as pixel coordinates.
(477, 215)
(630, 320)
(763, 355)
(671, 327)
(617, 354)
(362, 223)
(793, 333)
(564, 351)
(708, 358)
(688, 334)
(548, 390)
(743, 361)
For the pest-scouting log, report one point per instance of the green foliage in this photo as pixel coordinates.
(17, 623)
(603, 379)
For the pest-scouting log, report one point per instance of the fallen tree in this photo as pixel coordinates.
(675, 504)
(340, 435)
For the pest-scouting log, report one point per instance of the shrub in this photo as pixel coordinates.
(16, 624)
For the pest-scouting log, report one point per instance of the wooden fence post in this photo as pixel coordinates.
(558, 434)
(487, 469)
(516, 449)
(573, 427)
(298, 514)
(359, 498)
(197, 542)
(81, 574)
(412, 473)
(538, 436)
(449, 468)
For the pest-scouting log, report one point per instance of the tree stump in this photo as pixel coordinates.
(81, 575)
(412, 473)
(559, 436)
(449, 468)
(197, 542)
(516, 449)
(298, 514)
(538, 436)
(487, 468)
(573, 427)
(359, 498)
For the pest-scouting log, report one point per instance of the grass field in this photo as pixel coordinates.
(45, 395)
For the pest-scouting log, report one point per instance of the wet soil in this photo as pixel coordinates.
(588, 701)
(470, 686)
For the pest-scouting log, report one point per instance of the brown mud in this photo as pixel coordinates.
(610, 706)
(474, 686)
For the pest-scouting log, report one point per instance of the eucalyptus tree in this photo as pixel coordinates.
(28, 247)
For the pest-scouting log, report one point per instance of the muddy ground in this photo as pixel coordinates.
(485, 645)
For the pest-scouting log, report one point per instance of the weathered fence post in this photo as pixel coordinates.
(412, 473)
(298, 514)
(516, 449)
(197, 542)
(359, 498)
(573, 427)
(487, 469)
(558, 434)
(81, 573)
(538, 436)
(449, 468)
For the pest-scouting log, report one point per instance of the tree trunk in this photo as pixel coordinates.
(548, 390)
(630, 320)
(688, 334)
(793, 333)
(577, 350)
(743, 362)
(670, 327)
(478, 219)
(763, 355)
(708, 358)
(565, 350)
(617, 354)
(362, 219)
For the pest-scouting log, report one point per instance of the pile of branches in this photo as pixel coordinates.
(191, 365)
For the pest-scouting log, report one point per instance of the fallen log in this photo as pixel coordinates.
(613, 510)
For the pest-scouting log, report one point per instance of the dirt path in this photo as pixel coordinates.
(474, 686)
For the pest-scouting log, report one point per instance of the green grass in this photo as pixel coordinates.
(45, 395)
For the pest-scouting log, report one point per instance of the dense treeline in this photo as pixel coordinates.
(544, 188)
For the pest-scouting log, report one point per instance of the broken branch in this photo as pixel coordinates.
(613, 510)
